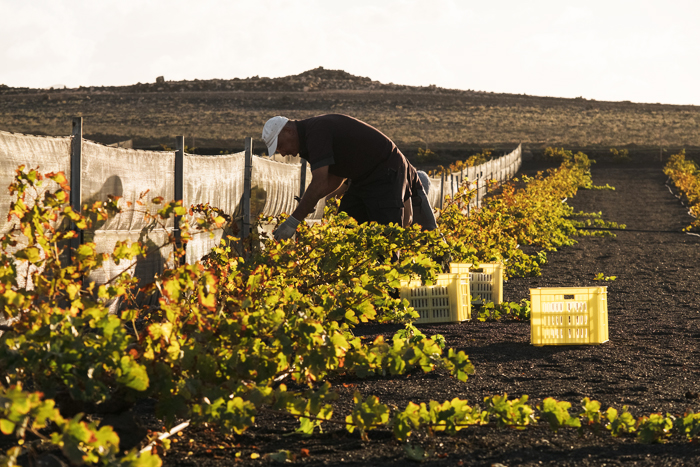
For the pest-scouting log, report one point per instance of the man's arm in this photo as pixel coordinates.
(340, 191)
(407, 213)
(322, 184)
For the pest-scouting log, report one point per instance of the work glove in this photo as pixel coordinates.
(286, 230)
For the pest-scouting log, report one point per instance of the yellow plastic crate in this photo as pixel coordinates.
(569, 315)
(485, 281)
(447, 301)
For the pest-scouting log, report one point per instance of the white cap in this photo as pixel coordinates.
(271, 131)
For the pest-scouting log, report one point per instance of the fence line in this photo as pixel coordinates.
(499, 170)
(242, 185)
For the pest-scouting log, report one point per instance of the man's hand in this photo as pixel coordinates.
(322, 184)
(286, 230)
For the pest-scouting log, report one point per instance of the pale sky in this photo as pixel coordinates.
(642, 51)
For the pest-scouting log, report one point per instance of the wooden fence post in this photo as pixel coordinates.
(247, 177)
(302, 178)
(179, 188)
(76, 156)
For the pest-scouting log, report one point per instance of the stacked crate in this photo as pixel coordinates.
(448, 301)
(485, 281)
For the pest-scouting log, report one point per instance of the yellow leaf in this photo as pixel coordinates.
(73, 291)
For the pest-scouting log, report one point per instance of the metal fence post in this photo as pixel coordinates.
(179, 188)
(478, 203)
(469, 189)
(469, 199)
(302, 178)
(247, 177)
(498, 171)
(442, 190)
(76, 156)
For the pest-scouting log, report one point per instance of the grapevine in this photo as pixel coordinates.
(685, 175)
(255, 327)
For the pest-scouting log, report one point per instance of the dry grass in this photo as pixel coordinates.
(438, 120)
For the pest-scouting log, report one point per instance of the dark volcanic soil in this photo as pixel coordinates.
(650, 362)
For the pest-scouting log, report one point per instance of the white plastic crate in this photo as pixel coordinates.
(446, 301)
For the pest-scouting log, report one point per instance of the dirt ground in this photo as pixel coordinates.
(650, 363)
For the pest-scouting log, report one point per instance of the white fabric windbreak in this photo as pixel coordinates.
(127, 173)
(135, 175)
(217, 181)
(274, 186)
(500, 170)
(434, 191)
(214, 180)
(201, 244)
(158, 255)
(48, 154)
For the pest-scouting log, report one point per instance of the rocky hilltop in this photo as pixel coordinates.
(318, 79)
(220, 113)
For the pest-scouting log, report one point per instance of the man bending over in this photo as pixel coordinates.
(340, 148)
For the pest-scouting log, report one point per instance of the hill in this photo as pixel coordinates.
(219, 113)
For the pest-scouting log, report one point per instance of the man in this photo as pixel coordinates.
(340, 148)
(417, 209)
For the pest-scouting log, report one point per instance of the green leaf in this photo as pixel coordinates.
(306, 426)
(133, 374)
(31, 254)
(73, 290)
(86, 250)
(106, 436)
(145, 459)
(207, 300)
(622, 423)
(406, 421)
(557, 414)
(282, 456)
(655, 428)
(415, 453)
(514, 412)
(6, 426)
(124, 250)
(172, 289)
(591, 411)
(130, 314)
